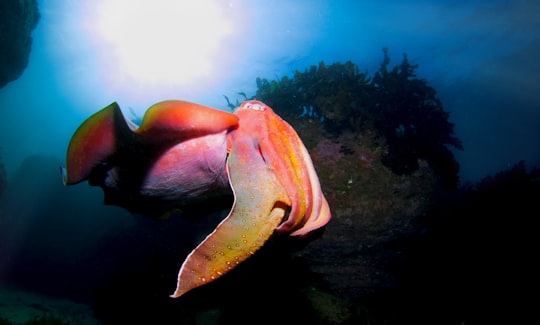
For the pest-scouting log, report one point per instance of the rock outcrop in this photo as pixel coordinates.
(17, 20)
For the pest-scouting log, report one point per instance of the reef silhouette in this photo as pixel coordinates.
(403, 111)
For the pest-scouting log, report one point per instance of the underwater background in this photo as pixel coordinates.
(422, 119)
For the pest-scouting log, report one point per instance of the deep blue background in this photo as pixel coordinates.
(481, 57)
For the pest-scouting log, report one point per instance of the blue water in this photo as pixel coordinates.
(480, 57)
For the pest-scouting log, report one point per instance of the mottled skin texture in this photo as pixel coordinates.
(183, 152)
(252, 220)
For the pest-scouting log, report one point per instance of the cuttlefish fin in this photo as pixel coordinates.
(178, 120)
(260, 204)
(166, 123)
(93, 142)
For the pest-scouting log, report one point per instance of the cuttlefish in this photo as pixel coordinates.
(183, 152)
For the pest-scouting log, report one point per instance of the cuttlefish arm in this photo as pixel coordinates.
(275, 188)
(260, 203)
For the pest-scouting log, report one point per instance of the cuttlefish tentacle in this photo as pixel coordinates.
(260, 203)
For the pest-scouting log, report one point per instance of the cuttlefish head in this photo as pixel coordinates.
(287, 158)
(276, 190)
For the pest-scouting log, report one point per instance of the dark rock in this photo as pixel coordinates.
(3, 177)
(17, 20)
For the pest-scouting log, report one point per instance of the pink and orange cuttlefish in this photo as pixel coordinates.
(182, 152)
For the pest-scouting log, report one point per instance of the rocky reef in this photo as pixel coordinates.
(380, 146)
(406, 242)
(18, 18)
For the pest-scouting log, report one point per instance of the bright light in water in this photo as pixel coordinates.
(160, 41)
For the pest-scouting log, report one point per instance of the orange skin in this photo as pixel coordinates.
(184, 151)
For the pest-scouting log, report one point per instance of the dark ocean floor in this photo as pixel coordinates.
(393, 253)
(20, 307)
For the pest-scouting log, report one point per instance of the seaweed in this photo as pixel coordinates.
(401, 109)
(336, 94)
(413, 122)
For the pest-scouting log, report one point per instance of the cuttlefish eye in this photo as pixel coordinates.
(254, 106)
